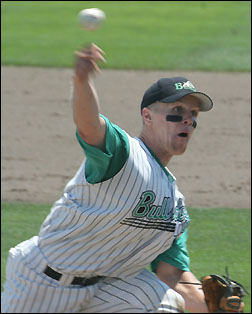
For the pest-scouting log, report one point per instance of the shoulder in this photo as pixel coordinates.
(103, 164)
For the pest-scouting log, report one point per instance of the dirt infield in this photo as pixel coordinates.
(40, 152)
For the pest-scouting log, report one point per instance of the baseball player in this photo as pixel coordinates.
(120, 212)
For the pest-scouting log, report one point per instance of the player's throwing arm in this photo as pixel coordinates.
(90, 125)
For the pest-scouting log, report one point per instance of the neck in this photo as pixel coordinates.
(152, 143)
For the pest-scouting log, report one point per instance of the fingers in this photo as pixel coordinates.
(86, 60)
(91, 51)
(95, 55)
(95, 47)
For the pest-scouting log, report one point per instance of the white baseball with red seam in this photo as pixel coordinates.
(91, 19)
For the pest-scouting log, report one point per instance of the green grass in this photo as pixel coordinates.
(19, 222)
(167, 35)
(217, 238)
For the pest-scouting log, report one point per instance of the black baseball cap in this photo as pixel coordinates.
(172, 89)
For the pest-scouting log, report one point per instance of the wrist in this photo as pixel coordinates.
(80, 80)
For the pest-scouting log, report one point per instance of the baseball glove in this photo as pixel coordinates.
(222, 294)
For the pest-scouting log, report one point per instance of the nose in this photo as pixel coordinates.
(188, 118)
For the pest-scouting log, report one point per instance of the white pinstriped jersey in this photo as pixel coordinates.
(116, 227)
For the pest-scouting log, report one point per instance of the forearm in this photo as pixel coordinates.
(192, 294)
(85, 105)
(90, 125)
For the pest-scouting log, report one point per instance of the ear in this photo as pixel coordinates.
(147, 116)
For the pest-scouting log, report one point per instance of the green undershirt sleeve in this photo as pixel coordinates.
(176, 255)
(103, 165)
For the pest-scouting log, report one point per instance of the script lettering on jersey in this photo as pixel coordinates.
(146, 208)
(162, 217)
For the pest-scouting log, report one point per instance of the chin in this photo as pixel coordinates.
(180, 151)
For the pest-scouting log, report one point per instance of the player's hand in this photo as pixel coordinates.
(86, 61)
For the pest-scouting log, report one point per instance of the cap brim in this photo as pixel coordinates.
(206, 102)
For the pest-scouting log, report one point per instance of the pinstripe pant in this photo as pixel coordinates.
(28, 290)
(144, 293)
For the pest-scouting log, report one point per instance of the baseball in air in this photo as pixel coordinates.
(91, 19)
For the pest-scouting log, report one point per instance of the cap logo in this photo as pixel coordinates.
(185, 85)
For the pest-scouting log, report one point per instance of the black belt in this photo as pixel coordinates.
(76, 281)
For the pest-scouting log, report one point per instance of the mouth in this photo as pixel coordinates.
(183, 134)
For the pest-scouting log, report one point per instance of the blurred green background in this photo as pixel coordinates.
(187, 35)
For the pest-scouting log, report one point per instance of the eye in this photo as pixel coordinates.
(194, 113)
(178, 110)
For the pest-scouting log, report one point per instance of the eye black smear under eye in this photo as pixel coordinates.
(174, 118)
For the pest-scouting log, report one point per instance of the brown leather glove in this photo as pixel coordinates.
(222, 294)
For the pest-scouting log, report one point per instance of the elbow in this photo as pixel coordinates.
(92, 134)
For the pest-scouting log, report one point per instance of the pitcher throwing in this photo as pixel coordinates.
(121, 212)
